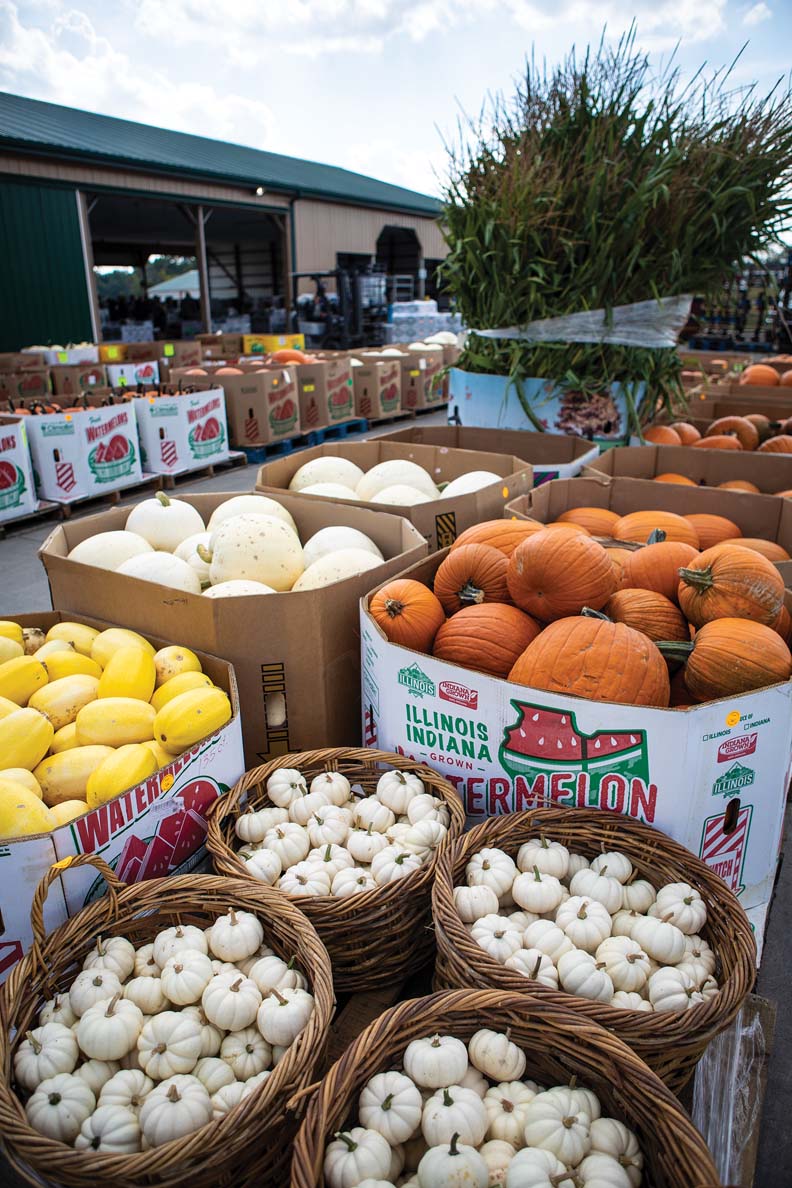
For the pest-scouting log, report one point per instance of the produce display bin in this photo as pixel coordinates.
(182, 433)
(769, 472)
(154, 829)
(441, 520)
(77, 455)
(296, 655)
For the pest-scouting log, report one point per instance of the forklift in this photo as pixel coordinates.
(353, 316)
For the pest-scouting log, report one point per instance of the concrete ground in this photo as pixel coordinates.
(24, 588)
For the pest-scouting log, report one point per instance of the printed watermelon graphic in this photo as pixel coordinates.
(284, 417)
(341, 402)
(544, 740)
(206, 438)
(112, 460)
(411, 398)
(12, 485)
(390, 397)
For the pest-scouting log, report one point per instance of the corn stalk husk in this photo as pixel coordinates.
(600, 184)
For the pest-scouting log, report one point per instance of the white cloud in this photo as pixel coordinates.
(759, 13)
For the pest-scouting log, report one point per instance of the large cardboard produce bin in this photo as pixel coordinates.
(296, 656)
(377, 384)
(17, 488)
(77, 455)
(550, 455)
(181, 433)
(441, 520)
(69, 379)
(154, 829)
(769, 472)
(32, 383)
(262, 406)
(714, 777)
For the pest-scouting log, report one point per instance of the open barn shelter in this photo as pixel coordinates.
(80, 190)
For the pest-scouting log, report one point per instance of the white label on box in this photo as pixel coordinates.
(179, 433)
(76, 455)
(714, 777)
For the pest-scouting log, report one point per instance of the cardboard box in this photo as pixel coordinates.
(324, 390)
(714, 777)
(220, 346)
(262, 406)
(422, 381)
(155, 829)
(769, 472)
(33, 383)
(17, 489)
(130, 374)
(70, 379)
(177, 352)
(182, 433)
(77, 455)
(551, 455)
(377, 387)
(296, 656)
(775, 402)
(22, 360)
(441, 520)
(86, 352)
(113, 352)
(265, 344)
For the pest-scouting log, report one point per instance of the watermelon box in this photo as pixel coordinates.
(262, 406)
(377, 385)
(17, 489)
(551, 455)
(78, 455)
(440, 521)
(182, 433)
(155, 829)
(714, 777)
(422, 381)
(132, 373)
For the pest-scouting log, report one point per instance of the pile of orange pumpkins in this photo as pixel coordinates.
(755, 431)
(649, 608)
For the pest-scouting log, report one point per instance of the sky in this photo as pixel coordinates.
(372, 85)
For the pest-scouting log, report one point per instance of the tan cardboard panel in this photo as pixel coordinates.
(769, 472)
(537, 448)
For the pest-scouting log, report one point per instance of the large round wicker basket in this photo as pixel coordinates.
(374, 938)
(670, 1042)
(559, 1045)
(250, 1144)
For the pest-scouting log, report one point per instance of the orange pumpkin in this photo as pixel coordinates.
(786, 379)
(647, 611)
(783, 624)
(228, 371)
(730, 582)
(504, 535)
(640, 525)
(712, 529)
(760, 374)
(575, 657)
(740, 485)
(599, 521)
(555, 574)
(670, 477)
(744, 430)
(731, 656)
(557, 526)
(289, 355)
(777, 445)
(408, 613)
(620, 560)
(687, 434)
(784, 494)
(722, 442)
(488, 638)
(768, 548)
(762, 424)
(471, 575)
(656, 567)
(662, 435)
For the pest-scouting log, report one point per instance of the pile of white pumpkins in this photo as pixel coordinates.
(150, 1044)
(459, 1115)
(397, 482)
(250, 545)
(324, 840)
(591, 929)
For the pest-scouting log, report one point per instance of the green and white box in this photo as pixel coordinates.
(17, 489)
(81, 454)
(182, 433)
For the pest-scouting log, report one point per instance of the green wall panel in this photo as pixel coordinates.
(43, 294)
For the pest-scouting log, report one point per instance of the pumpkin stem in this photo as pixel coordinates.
(656, 536)
(163, 498)
(97, 981)
(675, 649)
(573, 1081)
(34, 1043)
(537, 874)
(471, 593)
(328, 852)
(507, 1106)
(368, 831)
(111, 1006)
(173, 1094)
(589, 613)
(283, 1001)
(536, 968)
(54, 1099)
(204, 553)
(436, 1041)
(394, 607)
(387, 1103)
(452, 1146)
(292, 962)
(667, 917)
(543, 842)
(568, 1122)
(234, 987)
(699, 579)
(447, 1098)
(582, 914)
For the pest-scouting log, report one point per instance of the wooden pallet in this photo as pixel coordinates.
(234, 459)
(338, 432)
(44, 510)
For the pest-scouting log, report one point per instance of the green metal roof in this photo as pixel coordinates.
(51, 130)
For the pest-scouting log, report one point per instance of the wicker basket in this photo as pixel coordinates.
(247, 1145)
(670, 1042)
(374, 938)
(559, 1045)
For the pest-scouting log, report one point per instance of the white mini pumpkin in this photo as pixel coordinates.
(397, 788)
(226, 1098)
(284, 785)
(364, 844)
(390, 1103)
(613, 1138)
(491, 868)
(45, 1052)
(555, 1123)
(581, 974)
(334, 785)
(253, 826)
(92, 986)
(685, 902)
(96, 1073)
(177, 939)
(289, 841)
(214, 1073)
(305, 879)
(425, 807)
(473, 903)
(549, 856)
(393, 863)
(638, 896)
(537, 892)
(328, 826)
(454, 1166)
(246, 1052)
(625, 962)
(302, 808)
(264, 865)
(585, 921)
(231, 1001)
(661, 939)
(126, 1089)
(454, 1111)
(495, 936)
(177, 1107)
(109, 1029)
(598, 885)
(352, 880)
(169, 1044)
(110, 1130)
(493, 1054)
(630, 1002)
(235, 935)
(355, 1155)
(599, 1170)
(330, 859)
(211, 1036)
(371, 813)
(185, 976)
(114, 954)
(536, 965)
(497, 1155)
(59, 1106)
(548, 938)
(505, 1105)
(146, 965)
(273, 973)
(617, 865)
(424, 837)
(672, 990)
(623, 922)
(435, 1061)
(522, 920)
(146, 993)
(283, 1014)
(57, 1009)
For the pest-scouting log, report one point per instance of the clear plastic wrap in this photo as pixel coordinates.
(641, 324)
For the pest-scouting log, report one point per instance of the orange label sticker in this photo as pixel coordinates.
(167, 782)
(733, 718)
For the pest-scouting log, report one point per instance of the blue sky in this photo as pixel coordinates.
(372, 85)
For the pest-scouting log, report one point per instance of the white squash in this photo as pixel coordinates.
(689, 912)
(177, 1107)
(630, 1002)
(473, 903)
(394, 862)
(536, 965)
(284, 785)
(146, 966)
(164, 569)
(585, 921)
(427, 808)
(211, 1036)
(352, 881)
(638, 896)
(625, 962)
(302, 808)
(226, 1098)
(505, 1106)
(550, 856)
(537, 892)
(581, 974)
(185, 976)
(59, 1106)
(397, 788)
(289, 841)
(256, 548)
(495, 936)
(235, 935)
(493, 1054)
(96, 1074)
(597, 884)
(435, 1061)
(283, 1014)
(328, 826)
(250, 505)
(264, 865)
(146, 993)
(355, 1155)
(371, 813)
(272, 973)
(400, 496)
(177, 939)
(109, 1029)
(246, 1053)
(231, 1001)
(423, 838)
(57, 1009)
(549, 938)
(164, 522)
(110, 1130)
(390, 1103)
(672, 990)
(213, 1073)
(474, 480)
(335, 786)
(336, 567)
(492, 868)
(127, 1089)
(396, 472)
(188, 551)
(108, 550)
(333, 539)
(237, 589)
(535, 1167)
(555, 1123)
(599, 1170)
(454, 1166)
(305, 879)
(454, 1111)
(44, 1053)
(114, 954)
(252, 826)
(326, 470)
(661, 939)
(329, 491)
(613, 1138)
